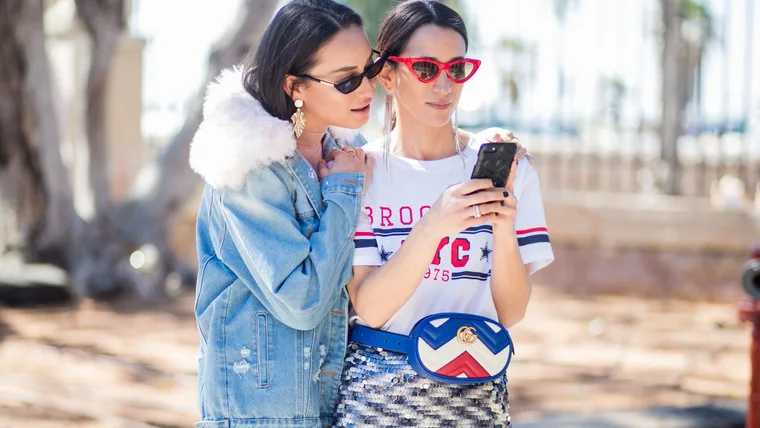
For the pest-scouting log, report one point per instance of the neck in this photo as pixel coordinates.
(310, 142)
(416, 140)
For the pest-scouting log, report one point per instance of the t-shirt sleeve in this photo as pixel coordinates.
(530, 223)
(366, 252)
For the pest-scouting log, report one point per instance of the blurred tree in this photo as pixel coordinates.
(35, 183)
(613, 94)
(516, 49)
(164, 185)
(104, 21)
(686, 29)
(562, 9)
(373, 12)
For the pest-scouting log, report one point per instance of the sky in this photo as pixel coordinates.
(601, 38)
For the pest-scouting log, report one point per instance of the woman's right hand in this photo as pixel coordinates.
(347, 161)
(454, 210)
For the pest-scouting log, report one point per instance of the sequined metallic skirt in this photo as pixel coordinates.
(380, 389)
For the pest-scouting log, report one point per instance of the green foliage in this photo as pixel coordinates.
(373, 12)
(698, 13)
(513, 45)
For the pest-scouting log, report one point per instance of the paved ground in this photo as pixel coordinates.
(610, 354)
(128, 365)
(727, 415)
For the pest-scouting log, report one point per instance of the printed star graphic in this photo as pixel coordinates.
(384, 255)
(485, 252)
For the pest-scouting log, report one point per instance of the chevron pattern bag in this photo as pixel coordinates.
(460, 348)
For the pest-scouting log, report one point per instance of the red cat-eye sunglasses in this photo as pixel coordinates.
(427, 69)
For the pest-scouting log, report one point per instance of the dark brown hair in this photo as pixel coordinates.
(289, 46)
(403, 20)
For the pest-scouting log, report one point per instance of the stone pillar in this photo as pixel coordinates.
(127, 151)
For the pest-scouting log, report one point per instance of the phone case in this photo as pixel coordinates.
(495, 162)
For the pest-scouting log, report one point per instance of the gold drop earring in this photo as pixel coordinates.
(298, 119)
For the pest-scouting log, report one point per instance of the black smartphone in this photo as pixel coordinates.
(495, 162)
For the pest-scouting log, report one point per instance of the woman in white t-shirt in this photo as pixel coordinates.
(433, 241)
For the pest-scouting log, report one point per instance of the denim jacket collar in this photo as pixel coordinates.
(237, 136)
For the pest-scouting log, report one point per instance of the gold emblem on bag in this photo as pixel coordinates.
(466, 335)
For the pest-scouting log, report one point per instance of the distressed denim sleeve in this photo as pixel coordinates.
(297, 277)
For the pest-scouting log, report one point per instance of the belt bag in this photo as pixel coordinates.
(448, 347)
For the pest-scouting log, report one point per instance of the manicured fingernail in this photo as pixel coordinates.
(506, 194)
(502, 203)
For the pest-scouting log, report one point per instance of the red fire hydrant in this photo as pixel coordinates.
(749, 311)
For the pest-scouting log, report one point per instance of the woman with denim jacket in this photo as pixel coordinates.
(276, 223)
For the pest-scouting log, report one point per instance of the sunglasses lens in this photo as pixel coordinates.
(425, 70)
(462, 71)
(350, 85)
(373, 70)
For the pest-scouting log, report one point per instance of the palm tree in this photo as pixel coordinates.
(513, 71)
(561, 10)
(686, 29)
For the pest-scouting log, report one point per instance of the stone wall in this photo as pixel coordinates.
(646, 245)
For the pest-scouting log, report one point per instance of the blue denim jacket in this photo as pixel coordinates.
(274, 252)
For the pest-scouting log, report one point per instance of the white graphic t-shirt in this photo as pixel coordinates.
(458, 279)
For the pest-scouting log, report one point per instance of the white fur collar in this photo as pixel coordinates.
(237, 135)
